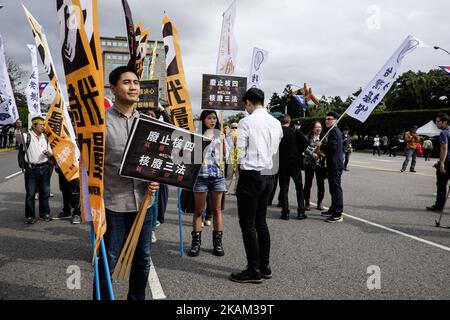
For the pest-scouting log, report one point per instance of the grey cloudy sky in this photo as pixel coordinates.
(335, 46)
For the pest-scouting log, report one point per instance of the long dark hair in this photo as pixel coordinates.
(203, 116)
(311, 130)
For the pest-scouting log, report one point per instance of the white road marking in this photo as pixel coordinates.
(437, 245)
(363, 162)
(155, 285)
(13, 175)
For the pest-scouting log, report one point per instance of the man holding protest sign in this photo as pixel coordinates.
(123, 196)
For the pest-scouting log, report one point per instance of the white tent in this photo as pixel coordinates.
(429, 130)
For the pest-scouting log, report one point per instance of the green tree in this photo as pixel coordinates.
(419, 90)
(234, 118)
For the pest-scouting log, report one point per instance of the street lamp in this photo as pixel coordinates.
(439, 48)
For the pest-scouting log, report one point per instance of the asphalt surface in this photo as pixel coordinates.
(8, 164)
(310, 259)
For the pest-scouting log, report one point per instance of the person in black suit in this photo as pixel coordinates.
(335, 165)
(292, 146)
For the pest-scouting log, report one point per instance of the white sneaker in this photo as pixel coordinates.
(153, 237)
(208, 222)
(157, 224)
(36, 196)
(51, 195)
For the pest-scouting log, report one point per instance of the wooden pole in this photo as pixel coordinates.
(134, 241)
(221, 140)
(127, 248)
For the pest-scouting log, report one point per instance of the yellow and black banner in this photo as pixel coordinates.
(84, 78)
(132, 45)
(142, 36)
(57, 123)
(177, 92)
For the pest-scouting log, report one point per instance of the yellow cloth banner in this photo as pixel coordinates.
(177, 92)
(57, 122)
(142, 36)
(84, 78)
(152, 63)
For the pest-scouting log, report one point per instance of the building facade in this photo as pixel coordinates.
(115, 53)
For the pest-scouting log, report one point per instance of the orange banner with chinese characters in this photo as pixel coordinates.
(84, 78)
(177, 92)
(57, 122)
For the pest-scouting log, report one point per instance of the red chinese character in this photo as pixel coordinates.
(161, 148)
(139, 169)
(180, 178)
(147, 145)
(167, 174)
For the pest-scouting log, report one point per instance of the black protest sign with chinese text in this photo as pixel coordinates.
(149, 95)
(221, 92)
(160, 152)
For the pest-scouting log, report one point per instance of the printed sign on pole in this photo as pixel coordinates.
(220, 92)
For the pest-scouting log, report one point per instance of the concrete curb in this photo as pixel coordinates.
(7, 150)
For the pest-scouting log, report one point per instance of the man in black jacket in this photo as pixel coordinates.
(292, 146)
(335, 165)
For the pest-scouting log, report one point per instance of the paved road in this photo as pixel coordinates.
(310, 259)
(8, 167)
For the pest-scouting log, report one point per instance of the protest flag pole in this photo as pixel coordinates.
(180, 223)
(137, 233)
(96, 275)
(122, 266)
(335, 125)
(106, 266)
(221, 140)
(118, 266)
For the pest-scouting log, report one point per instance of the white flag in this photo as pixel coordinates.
(374, 92)
(8, 108)
(226, 62)
(259, 58)
(32, 89)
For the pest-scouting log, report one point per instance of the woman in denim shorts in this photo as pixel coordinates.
(211, 179)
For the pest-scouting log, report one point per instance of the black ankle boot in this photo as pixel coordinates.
(196, 243)
(217, 243)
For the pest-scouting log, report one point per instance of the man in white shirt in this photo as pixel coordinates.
(259, 136)
(37, 173)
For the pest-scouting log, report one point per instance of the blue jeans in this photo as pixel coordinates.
(203, 184)
(409, 153)
(37, 179)
(154, 210)
(118, 226)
